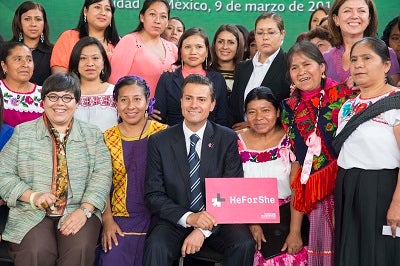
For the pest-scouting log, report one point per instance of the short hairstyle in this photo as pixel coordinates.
(320, 8)
(76, 54)
(68, 82)
(370, 31)
(240, 47)
(321, 33)
(308, 49)
(17, 26)
(6, 49)
(131, 80)
(386, 32)
(274, 16)
(190, 32)
(263, 93)
(110, 33)
(146, 5)
(201, 80)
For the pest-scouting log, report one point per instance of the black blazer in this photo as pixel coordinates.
(168, 97)
(166, 185)
(275, 79)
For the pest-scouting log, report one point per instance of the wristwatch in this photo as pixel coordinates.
(86, 211)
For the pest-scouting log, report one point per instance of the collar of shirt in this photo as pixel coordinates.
(187, 132)
(268, 62)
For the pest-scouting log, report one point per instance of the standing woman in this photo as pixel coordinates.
(30, 27)
(90, 63)
(349, 21)
(226, 52)
(193, 54)
(310, 120)
(96, 20)
(22, 99)
(367, 193)
(267, 68)
(174, 30)
(144, 53)
(126, 219)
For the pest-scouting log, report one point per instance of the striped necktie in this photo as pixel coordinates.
(196, 197)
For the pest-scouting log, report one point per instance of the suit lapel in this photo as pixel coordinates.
(274, 69)
(178, 147)
(207, 149)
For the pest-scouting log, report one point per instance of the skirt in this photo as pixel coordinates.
(362, 199)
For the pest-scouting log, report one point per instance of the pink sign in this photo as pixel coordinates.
(243, 200)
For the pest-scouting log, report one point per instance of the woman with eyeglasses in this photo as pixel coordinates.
(90, 63)
(267, 68)
(57, 187)
(22, 99)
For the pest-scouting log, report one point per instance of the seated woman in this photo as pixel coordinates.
(193, 54)
(55, 197)
(90, 63)
(125, 222)
(22, 99)
(265, 151)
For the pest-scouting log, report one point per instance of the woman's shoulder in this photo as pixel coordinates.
(69, 35)
(156, 126)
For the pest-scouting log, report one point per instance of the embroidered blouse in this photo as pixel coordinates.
(299, 120)
(21, 107)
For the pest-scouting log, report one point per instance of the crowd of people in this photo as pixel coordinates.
(106, 140)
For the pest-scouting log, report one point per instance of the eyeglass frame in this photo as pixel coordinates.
(263, 33)
(63, 98)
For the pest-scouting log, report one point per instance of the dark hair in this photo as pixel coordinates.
(76, 54)
(131, 80)
(322, 22)
(308, 49)
(320, 33)
(320, 8)
(370, 31)
(386, 32)
(377, 45)
(201, 80)
(251, 38)
(190, 32)
(302, 36)
(110, 33)
(1, 109)
(240, 47)
(6, 51)
(263, 93)
(178, 19)
(146, 5)
(275, 17)
(17, 26)
(68, 82)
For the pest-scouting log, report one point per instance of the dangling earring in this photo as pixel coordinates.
(20, 37)
(182, 63)
(84, 18)
(323, 75)
(102, 73)
(292, 86)
(110, 25)
(206, 62)
(386, 78)
(42, 38)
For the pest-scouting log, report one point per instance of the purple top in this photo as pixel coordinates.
(334, 67)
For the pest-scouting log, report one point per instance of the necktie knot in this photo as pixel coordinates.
(194, 139)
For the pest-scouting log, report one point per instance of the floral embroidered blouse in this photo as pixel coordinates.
(21, 107)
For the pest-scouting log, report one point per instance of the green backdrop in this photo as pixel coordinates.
(64, 14)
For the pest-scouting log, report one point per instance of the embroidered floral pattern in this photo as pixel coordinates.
(22, 102)
(264, 156)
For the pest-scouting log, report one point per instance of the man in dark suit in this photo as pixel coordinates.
(180, 225)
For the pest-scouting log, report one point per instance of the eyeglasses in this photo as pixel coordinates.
(269, 34)
(65, 98)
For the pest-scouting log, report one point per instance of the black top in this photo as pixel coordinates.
(41, 59)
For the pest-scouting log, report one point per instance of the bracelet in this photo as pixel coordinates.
(31, 198)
